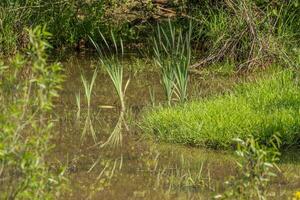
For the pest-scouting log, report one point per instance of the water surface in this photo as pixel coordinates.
(141, 168)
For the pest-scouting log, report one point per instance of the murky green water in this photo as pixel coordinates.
(140, 168)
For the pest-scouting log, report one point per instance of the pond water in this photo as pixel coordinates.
(141, 168)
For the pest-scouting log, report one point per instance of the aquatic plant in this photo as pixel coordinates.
(88, 88)
(183, 175)
(109, 171)
(113, 66)
(173, 54)
(78, 103)
(152, 96)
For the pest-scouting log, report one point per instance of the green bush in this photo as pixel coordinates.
(262, 108)
(28, 85)
(256, 168)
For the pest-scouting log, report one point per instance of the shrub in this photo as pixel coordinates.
(28, 86)
(260, 109)
(256, 166)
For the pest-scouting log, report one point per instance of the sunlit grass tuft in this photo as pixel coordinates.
(261, 109)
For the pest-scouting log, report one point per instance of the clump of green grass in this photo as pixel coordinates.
(261, 109)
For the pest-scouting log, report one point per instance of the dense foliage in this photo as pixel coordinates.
(68, 21)
(249, 32)
(27, 88)
(71, 22)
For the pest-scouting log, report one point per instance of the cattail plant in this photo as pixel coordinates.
(173, 54)
(111, 62)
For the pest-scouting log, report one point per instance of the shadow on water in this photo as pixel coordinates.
(140, 168)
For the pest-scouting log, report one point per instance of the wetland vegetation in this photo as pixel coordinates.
(149, 99)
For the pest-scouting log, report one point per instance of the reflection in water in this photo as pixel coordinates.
(140, 168)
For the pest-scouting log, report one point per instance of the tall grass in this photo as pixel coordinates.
(69, 21)
(173, 54)
(113, 66)
(250, 32)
